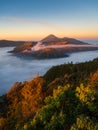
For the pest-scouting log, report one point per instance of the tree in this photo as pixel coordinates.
(58, 111)
(84, 123)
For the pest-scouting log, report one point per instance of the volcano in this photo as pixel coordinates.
(52, 39)
(54, 47)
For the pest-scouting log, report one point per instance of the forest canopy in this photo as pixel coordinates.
(65, 98)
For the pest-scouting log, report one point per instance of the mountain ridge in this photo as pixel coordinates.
(53, 47)
(10, 43)
(67, 40)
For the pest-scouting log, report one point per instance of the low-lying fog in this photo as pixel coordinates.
(13, 69)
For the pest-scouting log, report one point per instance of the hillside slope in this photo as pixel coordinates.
(65, 98)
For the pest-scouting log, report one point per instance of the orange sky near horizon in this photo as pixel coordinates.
(33, 20)
(35, 31)
(19, 30)
(33, 37)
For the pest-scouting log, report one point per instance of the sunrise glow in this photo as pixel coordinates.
(33, 20)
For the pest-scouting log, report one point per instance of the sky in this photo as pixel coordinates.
(35, 19)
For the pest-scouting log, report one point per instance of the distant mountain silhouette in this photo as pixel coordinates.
(8, 43)
(72, 40)
(52, 38)
(49, 40)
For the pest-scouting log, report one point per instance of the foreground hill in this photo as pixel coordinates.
(65, 98)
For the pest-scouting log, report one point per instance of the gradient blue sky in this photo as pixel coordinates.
(34, 19)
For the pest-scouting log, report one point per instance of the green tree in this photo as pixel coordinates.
(84, 123)
(88, 95)
(58, 111)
